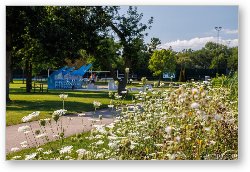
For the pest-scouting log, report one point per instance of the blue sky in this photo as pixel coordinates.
(191, 26)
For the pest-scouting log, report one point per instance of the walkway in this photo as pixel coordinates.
(76, 124)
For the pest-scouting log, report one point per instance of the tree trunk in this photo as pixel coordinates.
(159, 80)
(28, 70)
(8, 64)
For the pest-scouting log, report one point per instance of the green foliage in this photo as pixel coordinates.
(162, 61)
(230, 82)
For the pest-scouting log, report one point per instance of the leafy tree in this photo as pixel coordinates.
(162, 61)
(232, 62)
(130, 31)
(183, 60)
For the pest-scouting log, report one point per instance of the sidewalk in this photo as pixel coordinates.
(77, 124)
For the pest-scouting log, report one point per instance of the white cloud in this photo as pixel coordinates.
(228, 31)
(196, 43)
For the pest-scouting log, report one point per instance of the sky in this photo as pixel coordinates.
(191, 26)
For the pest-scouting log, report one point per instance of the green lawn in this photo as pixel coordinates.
(23, 103)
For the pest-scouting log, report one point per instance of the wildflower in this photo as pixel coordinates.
(63, 96)
(41, 135)
(195, 91)
(99, 155)
(81, 114)
(178, 139)
(123, 92)
(24, 128)
(217, 117)
(159, 145)
(24, 144)
(56, 136)
(81, 151)
(195, 105)
(15, 149)
(168, 129)
(31, 156)
(110, 106)
(97, 104)
(47, 152)
(100, 142)
(26, 119)
(16, 157)
(40, 149)
(132, 147)
(66, 149)
(60, 112)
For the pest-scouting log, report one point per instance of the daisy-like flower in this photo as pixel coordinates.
(110, 106)
(97, 104)
(168, 129)
(60, 112)
(124, 92)
(66, 149)
(81, 151)
(41, 135)
(81, 114)
(195, 105)
(100, 142)
(63, 96)
(217, 117)
(15, 149)
(16, 157)
(47, 152)
(30, 116)
(24, 128)
(31, 156)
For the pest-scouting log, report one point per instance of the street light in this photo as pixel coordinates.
(218, 28)
(218, 34)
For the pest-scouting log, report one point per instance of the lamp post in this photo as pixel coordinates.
(218, 29)
(127, 72)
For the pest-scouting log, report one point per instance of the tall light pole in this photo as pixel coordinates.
(218, 29)
(218, 33)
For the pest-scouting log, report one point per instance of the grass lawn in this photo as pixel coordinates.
(23, 103)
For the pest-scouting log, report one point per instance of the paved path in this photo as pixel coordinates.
(77, 124)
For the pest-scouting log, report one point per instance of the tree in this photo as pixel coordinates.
(162, 61)
(130, 32)
(45, 36)
(232, 62)
(183, 60)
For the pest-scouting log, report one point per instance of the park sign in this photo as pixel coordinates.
(168, 75)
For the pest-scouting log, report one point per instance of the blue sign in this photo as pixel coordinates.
(168, 75)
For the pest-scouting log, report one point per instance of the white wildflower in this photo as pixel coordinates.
(81, 114)
(31, 156)
(16, 157)
(100, 142)
(97, 104)
(41, 135)
(47, 152)
(110, 106)
(168, 129)
(60, 112)
(195, 105)
(81, 151)
(217, 117)
(63, 96)
(39, 149)
(24, 128)
(66, 149)
(15, 149)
